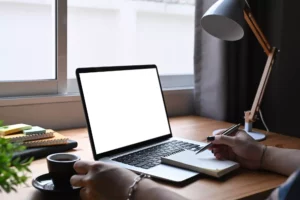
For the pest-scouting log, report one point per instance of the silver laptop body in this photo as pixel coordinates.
(126, 118)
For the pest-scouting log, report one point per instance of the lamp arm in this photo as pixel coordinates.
(257, 31)
(250, 116)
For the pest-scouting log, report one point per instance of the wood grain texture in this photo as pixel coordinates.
(240, 184)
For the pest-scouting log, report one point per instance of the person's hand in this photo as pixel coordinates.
(100, 181)
(239, 147)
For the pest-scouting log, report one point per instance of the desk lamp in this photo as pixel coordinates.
(224, 20)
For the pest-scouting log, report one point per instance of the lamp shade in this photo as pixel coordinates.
(225, 20)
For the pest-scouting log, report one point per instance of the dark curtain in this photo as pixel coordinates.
(223, 74)
(227, 74)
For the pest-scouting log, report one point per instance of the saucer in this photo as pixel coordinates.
(44, 184)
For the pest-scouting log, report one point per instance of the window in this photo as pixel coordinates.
(40, 49)
(128, 32)
(27, 50)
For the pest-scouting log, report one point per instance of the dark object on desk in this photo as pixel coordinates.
(60, 167)
(41, 152)
(44, 184)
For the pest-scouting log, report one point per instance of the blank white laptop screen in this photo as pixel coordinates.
(124, 107)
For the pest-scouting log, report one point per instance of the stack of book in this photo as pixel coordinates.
(32, 136)
(40, 142)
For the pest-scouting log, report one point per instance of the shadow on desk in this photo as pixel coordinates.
(37, 195)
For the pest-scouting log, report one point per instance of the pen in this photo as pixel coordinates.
(230, 130)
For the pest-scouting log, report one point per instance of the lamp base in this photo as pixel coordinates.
(255, 135)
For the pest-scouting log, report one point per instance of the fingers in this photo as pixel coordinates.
(243, 134)
(220, 151)
(219, 148)
(216, 146)
(84, 194)
(219, 132)
(223, 139)
(77, 180)
(220, 156)
(82, 167)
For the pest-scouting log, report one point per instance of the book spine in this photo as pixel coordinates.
(32, 137)
(45, 143)
(11, 131)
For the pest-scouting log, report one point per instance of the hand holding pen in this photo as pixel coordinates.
(229, 131)
(240, 147)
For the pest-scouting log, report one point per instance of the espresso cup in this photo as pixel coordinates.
(60, 166)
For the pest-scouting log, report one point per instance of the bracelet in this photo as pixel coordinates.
(133, 187)
(262, 156)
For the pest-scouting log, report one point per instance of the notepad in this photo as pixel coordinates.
(34, 130)
(58, 139)
(50, 138)
(22, 137)
(204, 162)
(15, 128)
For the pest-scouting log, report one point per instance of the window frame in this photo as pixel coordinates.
(168, 82)
(46, 87)
(61, 9)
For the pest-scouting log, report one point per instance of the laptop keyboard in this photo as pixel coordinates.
(150, 157)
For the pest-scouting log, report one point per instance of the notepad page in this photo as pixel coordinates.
(204, 162)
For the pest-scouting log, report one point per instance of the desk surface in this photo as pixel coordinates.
(241, 184)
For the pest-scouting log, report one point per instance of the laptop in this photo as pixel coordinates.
(127, 120)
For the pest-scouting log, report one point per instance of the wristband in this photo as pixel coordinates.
(262, 156)
(133, 187)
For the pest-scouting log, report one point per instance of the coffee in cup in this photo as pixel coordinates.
(60, 166)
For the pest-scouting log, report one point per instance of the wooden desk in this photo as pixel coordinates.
(241, 184)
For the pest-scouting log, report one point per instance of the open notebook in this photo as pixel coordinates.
(204, 162)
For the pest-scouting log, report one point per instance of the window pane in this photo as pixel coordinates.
(126, 32)
(166, 39)
(27, 40)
